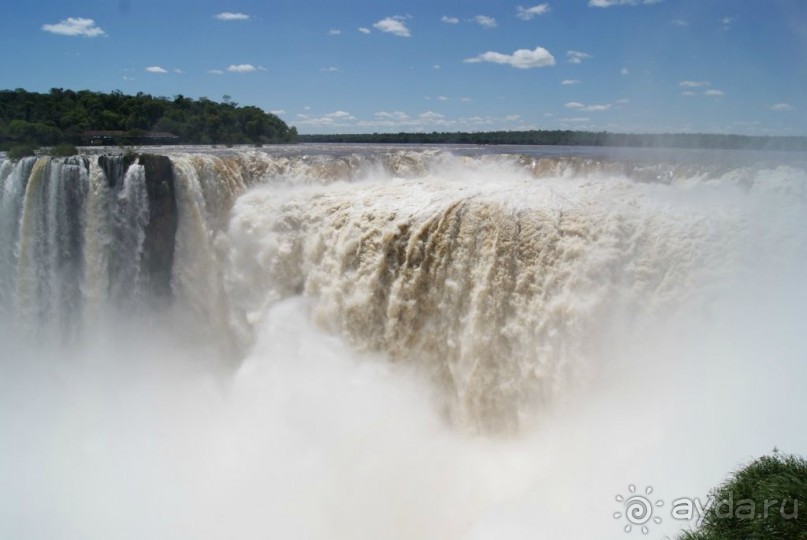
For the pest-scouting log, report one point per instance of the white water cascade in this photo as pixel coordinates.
(406, 343)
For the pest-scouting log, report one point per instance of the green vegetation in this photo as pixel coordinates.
(63, 150)
(66, 116)
(19, 151)
(766, 500)
(572, 138)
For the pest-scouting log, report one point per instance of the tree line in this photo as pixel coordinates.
(573, 138)
(66, 116)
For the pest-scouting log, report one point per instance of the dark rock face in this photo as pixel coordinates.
(157, 260)
(115, 167)
(72, 190)
(158, 247)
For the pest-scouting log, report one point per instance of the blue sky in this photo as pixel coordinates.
(736, 66)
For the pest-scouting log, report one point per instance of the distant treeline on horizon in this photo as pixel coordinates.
(86, 117)
(574, 138)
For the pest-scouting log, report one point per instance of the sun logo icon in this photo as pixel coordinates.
(638, 509)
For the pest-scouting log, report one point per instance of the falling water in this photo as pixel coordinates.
(405, 343)
(129, 217)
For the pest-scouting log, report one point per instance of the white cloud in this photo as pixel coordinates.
(450, 20)
(241, 68)
(780, 107)
(340, 115)
(364, 30)
(521, 59)
(330, 69)
(485, 21)
(476, 120)
(395, 115)
(278, 112)
(569, 82)
(177, 70)
(430, 120)
(609, 3)
(228, 16)
(336, 118)
(727, 22)
(442, 98)
(334, 32)
(679, 22)
(694, 84)
(588, 108)
(714, 93)
(576, 57)
(156, 69)
(622, 101)
(393, 25)
(624, 71)
(127, 78)
(466, 99)
(216, 72)
(431, 115)
(525, 14)
(688, 93)
(436, 66)
(74, 26)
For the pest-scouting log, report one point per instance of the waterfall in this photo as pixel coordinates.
(130, 216)
(48, 249)
(498, 276)
(77, 234)
(501, 290)
(364, 342)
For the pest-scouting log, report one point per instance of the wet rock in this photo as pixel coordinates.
(158, 247)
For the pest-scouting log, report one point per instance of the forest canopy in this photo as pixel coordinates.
(67, 116)
(87, 117)
(572, 138)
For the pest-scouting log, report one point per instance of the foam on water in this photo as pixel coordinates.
(402, 345)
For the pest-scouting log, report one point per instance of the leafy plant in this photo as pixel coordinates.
(765, 500)
(129, 152)
(20, 151)
(63, 150)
